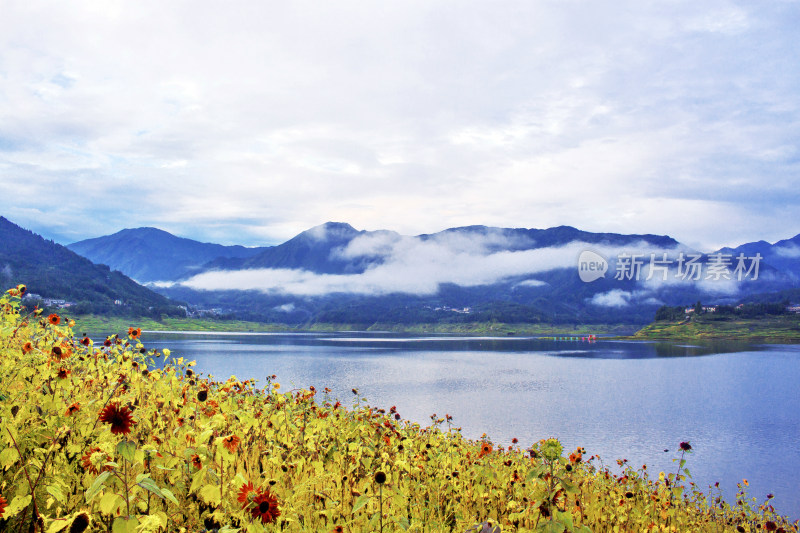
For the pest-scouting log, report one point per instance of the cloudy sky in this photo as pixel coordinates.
(250, 121)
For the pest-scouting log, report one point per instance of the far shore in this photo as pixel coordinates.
(779, 330)
(94, 323)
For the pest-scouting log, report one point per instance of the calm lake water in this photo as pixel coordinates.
(737, 405)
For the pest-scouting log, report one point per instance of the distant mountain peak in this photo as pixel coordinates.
(328, 231)
(150, 254)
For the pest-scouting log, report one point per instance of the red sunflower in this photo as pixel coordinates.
(3, 504)
(486, 449)
(134, 333)
(244, 494)
(72, 409)
(231, 442)
(54, 319)
(120, 418)
(266, 507)
(89, 465)
(27, 347)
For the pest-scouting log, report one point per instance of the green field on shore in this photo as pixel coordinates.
(103, 324)
(778, 329)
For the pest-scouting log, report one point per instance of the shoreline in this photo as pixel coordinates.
(121, 324)
(771, 330)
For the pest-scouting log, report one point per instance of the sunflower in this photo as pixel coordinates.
(134, 333)
(119, 417)
(685, 446)
(196, 462)
(266, 507)
(27, 347)
(86, 341)
(63, 373)
(3, 504)
(486, 449)
(54, 319)
(89, 465)
(72, 409)
(79, 524)
(244, 494)
(59, 353)
(231, 442)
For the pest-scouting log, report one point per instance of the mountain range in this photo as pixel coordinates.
(52, 271)
(335, 273)
(151, 254)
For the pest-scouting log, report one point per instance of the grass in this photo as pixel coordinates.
(95, 323)
(773, 329)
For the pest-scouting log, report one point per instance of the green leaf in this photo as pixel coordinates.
(210, 494)
(569, 487)
(146, 482)
(55, 492)
(169, 495)
(197, 479)
(109, 502)
(534, 473)
(152, 523)
(8, 457)
(360, 502)
(59, 524)
(17, 504)
(96, 485)
(125, 524)
(127, 449)
(551, 527)
(403, 522)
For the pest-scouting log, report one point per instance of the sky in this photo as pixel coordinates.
(247, 122)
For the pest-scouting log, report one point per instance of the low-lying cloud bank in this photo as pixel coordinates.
(412, 265)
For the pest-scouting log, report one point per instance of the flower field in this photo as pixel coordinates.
(114, 436)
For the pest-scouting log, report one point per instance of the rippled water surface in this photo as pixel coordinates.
(738, 405)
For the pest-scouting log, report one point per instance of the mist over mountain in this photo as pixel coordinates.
(336, 273)
(784, 255)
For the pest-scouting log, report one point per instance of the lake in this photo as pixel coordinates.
(738, 405)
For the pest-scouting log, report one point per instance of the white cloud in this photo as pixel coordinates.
(531, 283)
(631, 117)
(415, 266)
(788, 250)
(612, 298)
